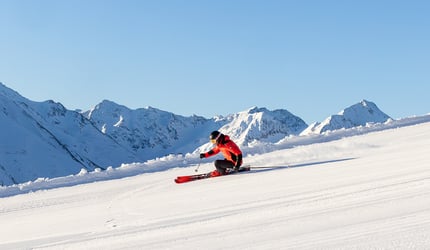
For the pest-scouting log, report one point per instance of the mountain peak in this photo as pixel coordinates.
(358, 114)
(363, 112)
(110, 105)
(255, 109)
(364, 102)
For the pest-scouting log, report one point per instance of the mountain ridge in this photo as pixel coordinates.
(110, 134)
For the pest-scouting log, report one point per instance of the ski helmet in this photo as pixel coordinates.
(215, 135)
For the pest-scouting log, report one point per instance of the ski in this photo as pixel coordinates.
(188, 178)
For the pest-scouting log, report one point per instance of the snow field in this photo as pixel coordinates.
(369, 191)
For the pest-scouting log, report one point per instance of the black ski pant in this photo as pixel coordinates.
(222, 165)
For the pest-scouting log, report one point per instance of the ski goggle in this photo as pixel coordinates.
(214, 140)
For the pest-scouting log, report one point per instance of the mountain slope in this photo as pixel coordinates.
(367, 191)
(46, 140)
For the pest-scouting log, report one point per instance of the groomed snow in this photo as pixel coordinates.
(368, 190)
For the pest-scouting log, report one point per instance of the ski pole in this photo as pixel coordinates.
(197, 169)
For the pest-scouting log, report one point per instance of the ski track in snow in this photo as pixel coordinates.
(369, 191)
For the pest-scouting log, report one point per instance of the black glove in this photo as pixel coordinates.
(202, 155)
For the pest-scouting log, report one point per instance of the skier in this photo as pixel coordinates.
(231, 152)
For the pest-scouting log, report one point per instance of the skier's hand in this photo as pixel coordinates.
(202, 155)
(236, 168)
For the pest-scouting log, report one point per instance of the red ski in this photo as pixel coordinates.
(187, 178)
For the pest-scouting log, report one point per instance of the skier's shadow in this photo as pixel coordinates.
(300, 165)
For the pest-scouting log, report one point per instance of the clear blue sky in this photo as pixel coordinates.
(210, 58)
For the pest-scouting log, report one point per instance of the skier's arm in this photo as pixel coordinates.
(211, 152)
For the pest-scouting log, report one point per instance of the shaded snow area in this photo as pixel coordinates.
(364, 188)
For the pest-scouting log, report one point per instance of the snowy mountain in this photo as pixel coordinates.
(153, 133)
(111, 134)
(261, 125)
(45, 140)
(150, 132)
(356, 115)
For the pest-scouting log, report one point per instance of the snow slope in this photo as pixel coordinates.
(363, 191)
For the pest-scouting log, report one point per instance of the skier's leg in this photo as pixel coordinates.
(222, 165)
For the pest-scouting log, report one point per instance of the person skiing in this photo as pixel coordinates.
(232, 153)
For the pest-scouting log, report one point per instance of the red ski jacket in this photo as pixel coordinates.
(229, 149)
